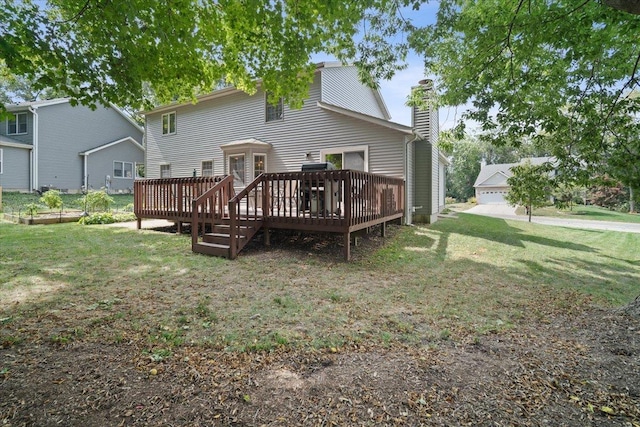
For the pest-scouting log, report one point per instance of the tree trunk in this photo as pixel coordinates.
(632, 200)
(629, 6)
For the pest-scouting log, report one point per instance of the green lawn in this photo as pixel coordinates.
(595, 213)
(457, 279)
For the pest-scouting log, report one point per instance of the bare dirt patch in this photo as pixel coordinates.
(580, 370)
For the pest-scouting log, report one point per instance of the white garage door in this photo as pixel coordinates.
(493, 197)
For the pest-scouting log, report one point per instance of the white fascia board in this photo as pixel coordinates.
(370, 119)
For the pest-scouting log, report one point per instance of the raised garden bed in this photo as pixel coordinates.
(51, 218)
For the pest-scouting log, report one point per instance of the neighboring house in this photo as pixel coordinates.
(342, 121)
(52, 144)
(491, 185)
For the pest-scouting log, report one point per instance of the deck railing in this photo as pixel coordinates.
(169, 198)
(339, 201)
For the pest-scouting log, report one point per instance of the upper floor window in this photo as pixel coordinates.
(122, 169)
(274, 112)
(169, 123)
(17, 125)
(207, 168)
(165, 171)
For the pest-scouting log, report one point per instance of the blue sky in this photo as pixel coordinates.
(396, 90)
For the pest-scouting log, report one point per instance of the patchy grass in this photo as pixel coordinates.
(450, 281)
(594, 213)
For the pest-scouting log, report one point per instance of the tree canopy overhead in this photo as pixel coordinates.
(138, 52)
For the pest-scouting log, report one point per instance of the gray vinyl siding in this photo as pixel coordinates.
(15, 169)
(65, 131)
(341, 87)
(100, 164)
(204, 127)
(27, 138)
(427, 187)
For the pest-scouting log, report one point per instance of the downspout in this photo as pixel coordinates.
(408, 215)
(34, 182)
(86, 175)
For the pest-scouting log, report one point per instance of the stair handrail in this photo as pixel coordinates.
(226, 183)
(235, 203)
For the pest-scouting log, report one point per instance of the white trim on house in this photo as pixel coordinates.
(175, 123)
(253, 165)
(111, 144)
(16, 119)
(246, 143)
(123, 170)
(56, 101)
(347, 149)
(1, 164)
(202, 169)
(5, 143)
(380, 122)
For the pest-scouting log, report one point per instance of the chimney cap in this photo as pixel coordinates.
(425, 82)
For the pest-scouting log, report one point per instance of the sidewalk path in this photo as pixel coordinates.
(508, 212)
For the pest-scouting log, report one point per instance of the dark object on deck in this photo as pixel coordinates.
(312, 167)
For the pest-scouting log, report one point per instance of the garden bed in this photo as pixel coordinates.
(52, 218)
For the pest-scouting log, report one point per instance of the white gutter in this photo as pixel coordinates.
(86, 176)
(408, 179)
(34, 182)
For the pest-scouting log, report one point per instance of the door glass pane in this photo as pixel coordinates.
(354, 160)
(236, 168)
(336, 159)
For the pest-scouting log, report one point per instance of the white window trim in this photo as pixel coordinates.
(1, 162)
(266, 109)
(349, 149)
(253, 165)
(168, 115)
(202, 167)
(160, 171)
(228, 165)
(17, 132)
(123, 170)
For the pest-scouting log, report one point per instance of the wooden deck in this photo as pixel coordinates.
(338, 201)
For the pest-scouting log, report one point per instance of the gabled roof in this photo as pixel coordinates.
(111, 144)
(504, 169)
(231, 90)
(24, 106)
(5, 141)
(360, 116)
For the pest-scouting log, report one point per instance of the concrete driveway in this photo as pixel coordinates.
(508, 212)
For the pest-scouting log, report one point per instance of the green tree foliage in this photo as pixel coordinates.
(530, 186)
(559, 71)
(52, 199)
(139, 52)
(468, 153)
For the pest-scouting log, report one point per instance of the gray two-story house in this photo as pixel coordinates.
(52, 144)
(343, 121)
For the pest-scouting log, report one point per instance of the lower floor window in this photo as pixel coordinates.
(165, 171)
(355, 158)
(207, 168)
(122, 169)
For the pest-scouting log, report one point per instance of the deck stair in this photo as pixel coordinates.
(218, 241)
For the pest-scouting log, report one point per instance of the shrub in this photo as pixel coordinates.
(106, 218)
(52, 199)
(472, 200)
(128, 207)
(96, 201)
(449, 200)
(32, 209)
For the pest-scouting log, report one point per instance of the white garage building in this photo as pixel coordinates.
(491, 185)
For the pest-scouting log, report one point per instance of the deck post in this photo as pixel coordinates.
(383, 229)
(179, 225)
(347, 246)
(139, 223)
(267, 236)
